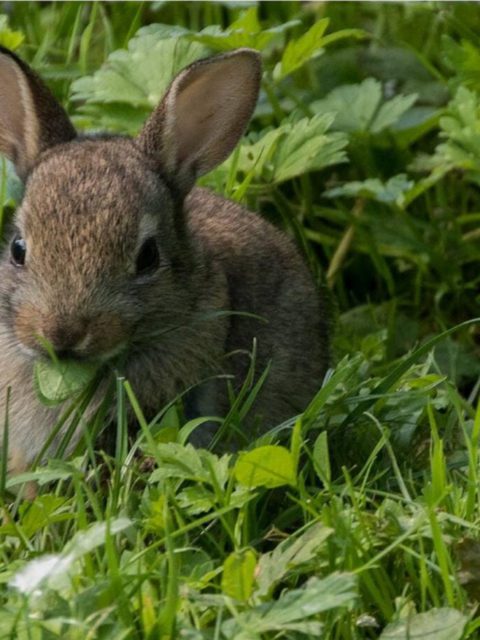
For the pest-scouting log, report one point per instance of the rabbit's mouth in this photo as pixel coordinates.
(97, 338)
(99, 358)
(88, 357)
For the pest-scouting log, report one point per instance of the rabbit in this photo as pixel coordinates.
(117, 258)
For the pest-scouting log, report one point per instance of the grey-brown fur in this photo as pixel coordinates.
(87, 203)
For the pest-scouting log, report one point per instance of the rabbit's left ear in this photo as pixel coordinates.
(202, 116)
(31, 119)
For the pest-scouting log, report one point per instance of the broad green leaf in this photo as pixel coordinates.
(268, 466)
(297, 605)
(9, 38)
(57, 381)
(296, 442)
(360, 107)
(238, 574)
(274, 565)
(321, 457)
(436, 624)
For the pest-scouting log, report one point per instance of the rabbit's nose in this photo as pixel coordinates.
(65, 337)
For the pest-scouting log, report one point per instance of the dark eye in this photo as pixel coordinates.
(18, 249)
(148, 258)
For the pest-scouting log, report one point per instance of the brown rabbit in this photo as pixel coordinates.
(117, 257)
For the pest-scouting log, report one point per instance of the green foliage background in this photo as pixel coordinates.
(359, 519)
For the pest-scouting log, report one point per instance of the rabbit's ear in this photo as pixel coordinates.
(31, 120)
(202, 116)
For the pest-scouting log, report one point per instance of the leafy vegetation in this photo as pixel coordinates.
(360, 517)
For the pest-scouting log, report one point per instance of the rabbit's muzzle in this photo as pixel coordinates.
(96, 337)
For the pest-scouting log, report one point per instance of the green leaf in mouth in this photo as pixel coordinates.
(55, 382)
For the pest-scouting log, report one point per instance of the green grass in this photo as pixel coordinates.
(361, 517)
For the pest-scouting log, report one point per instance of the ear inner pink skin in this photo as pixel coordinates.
(203, 115)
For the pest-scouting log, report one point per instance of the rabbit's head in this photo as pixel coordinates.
(100, 251)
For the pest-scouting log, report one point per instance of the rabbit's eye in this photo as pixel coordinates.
(148, 258)
(18, 249)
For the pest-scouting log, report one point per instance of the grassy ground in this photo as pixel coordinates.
(362, 518)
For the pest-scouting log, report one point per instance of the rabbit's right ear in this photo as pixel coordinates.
(202, 116)
(31, 120)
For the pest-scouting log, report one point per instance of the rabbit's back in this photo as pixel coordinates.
(264, 276)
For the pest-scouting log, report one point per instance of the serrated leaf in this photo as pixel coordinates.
(239, 574)
(195, 500)
(308, 147)
(274, 565)
(391, 111)
(460, 128)
(11, 187)
(45, 510)
(55, 382)
(177, 461)
(436, 624)
(269, 466)
(358, 107)
(310, 45)
(464, 59)
(184, 462)
(293, 148)
(391, 192)
(244, 32)
(139, 76)
(300, 50)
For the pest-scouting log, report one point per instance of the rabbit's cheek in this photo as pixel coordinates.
(106, 335)
(26, 323)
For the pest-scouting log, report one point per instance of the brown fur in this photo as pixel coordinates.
(90, 204)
